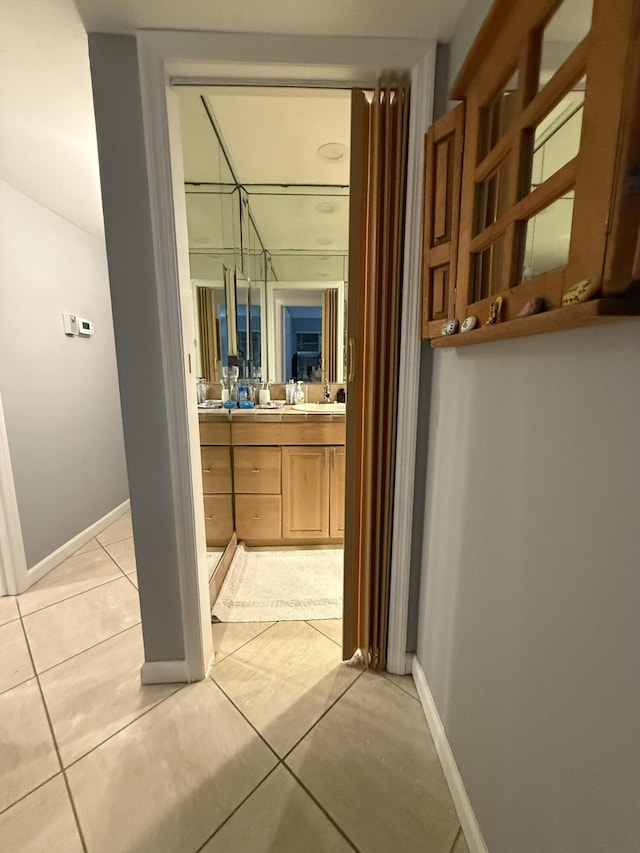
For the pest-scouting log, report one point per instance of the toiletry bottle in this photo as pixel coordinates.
(265, 394)
(291, 392)
(299, 393)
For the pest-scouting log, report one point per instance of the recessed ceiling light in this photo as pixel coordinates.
(324, 241)
(326, 207)
(332, 151)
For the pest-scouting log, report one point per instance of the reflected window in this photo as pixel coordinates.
(547, 238)
(557, 137)
(496, 118)
(492, 196)
(487, 270)
(564, 32)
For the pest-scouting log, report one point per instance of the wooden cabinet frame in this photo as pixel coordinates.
(603, 240)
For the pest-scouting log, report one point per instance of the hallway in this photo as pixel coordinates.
(283, 748)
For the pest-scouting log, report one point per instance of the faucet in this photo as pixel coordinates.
(327, 392)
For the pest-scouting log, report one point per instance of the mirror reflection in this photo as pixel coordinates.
(268, 260)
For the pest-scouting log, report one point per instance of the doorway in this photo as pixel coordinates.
(266, 188)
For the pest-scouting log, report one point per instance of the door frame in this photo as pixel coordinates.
(172, 58)
(14, 575)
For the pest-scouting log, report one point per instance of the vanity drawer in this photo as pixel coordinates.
(256, 470)
(218, 519)
(215, 432)
(216, 470)
(259, 517)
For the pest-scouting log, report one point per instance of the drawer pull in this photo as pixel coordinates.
(208, 518)
(206, 470)
(257, 518)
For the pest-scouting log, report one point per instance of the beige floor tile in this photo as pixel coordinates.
(15, 662)
(98, 692)
(284, 680)
(229, 636)
(123, 552)
(120, 529)
(331, 628)
(27, 754)
(404, 682)
(278, 816)
(372, 764)
(461, 845)
(41, 822)
(167, 781)
(71, 626)
(74, 575)
(8, 609)
(91, 545)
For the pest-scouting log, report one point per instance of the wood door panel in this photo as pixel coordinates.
(215, 432)
(259, 517)
(256, 470)
(442, 184)
(216, 470)
(218, 519)
(305, 493)
(336, 493)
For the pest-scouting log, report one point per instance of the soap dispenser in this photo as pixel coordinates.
(299, 393)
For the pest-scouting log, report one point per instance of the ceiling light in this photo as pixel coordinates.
(324, 241)
(332, 151)
(326, 207)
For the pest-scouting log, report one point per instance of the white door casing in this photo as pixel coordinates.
(170, 58)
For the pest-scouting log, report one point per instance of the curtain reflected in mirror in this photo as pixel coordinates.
(330, 307)
(209, 329)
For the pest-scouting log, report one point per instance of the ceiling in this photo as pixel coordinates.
(274, 139)
(408, 19)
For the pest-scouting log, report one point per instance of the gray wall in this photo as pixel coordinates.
(125, 194)
(529, 633)
(60, 394)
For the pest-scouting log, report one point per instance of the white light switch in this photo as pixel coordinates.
(70, 322)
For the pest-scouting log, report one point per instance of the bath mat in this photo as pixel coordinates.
(269, 585)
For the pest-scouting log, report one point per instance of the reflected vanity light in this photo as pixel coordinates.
(332, 151)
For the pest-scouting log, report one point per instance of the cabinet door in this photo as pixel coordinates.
(305, 493)
(442, 181)
(336, 493)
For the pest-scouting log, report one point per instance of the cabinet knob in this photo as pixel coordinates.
(206, 470)
(256, 470)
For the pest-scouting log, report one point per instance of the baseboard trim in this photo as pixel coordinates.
(163, 672)
(56, 557)
(468, 820)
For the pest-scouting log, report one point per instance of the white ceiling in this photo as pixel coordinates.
(406, 19)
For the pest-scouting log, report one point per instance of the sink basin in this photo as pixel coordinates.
(321, 408)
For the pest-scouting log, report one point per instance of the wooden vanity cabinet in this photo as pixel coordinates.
(337, 474)
(217, 484)
(257, 487)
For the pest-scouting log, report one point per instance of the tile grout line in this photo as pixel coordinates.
(94, 646)
(397, 686)
(307, 622)
(324, 714)
(321, 807)
(250, 640)
(75, 594)
(239, 710)
(55, 744)
(455, 840)
(239, 806)
(104, 548)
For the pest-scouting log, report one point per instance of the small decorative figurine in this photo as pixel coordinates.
(533, 306)
(494, 311)
(469, 323)
(450, 327)
(581, 291)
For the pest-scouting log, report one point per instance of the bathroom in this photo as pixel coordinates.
(266, 175)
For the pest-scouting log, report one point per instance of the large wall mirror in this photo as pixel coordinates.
(268, 259)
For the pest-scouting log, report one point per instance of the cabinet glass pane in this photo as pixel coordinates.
(491, 196)
(566, 29)
(547, 236)
(497, 116)
(557, 137)
(487, 271)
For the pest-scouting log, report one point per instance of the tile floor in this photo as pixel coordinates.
(284, 747)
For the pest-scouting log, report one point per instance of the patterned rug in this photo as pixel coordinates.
(270, 585)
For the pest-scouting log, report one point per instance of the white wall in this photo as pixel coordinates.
(60, 394)
(528, 630)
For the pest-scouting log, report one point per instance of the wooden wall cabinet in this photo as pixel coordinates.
(532, 184)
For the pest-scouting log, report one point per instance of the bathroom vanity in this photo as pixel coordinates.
(275, 478)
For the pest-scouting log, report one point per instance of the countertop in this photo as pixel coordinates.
(256, 415)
